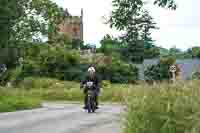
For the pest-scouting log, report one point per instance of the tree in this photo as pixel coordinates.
(150, 50)
(9, 13)
(195, 51)
(174, 51)
(28, 19)
(109, 44)
(126, 16)
(166, 4)
(135, 21)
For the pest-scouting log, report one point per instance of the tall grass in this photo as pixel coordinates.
(164, 109)
(33, 90)
(52, 89)
(14, 99)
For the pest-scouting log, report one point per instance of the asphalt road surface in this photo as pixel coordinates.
(62, 118)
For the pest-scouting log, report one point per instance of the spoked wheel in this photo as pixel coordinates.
(93, 106)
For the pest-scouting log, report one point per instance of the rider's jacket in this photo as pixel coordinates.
(95, 80)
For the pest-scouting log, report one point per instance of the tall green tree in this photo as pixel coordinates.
(28, 19)
(150, 50)
(9, 13)
(135, 21)
(129, 16)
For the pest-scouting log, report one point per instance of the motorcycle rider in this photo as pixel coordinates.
(91, 77)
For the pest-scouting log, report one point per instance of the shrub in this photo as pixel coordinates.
(56, 62)
(196, 75)
(160, 71)
(118, 71)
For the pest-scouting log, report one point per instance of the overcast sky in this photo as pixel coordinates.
(180, 28)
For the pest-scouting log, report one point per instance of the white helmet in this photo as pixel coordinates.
(91, 69)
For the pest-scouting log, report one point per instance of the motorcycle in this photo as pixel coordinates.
(91, 104)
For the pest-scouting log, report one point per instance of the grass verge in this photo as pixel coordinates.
(164, 109)
(13, 100)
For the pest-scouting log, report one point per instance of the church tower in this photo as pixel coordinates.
(72, 26)
(81, 25)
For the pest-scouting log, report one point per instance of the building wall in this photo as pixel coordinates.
(72, 27)
(188, 67)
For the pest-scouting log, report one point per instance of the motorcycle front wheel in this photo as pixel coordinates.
(89, 105)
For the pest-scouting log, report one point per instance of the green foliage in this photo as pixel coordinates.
(52, 62)
(160, 71)
(163, 109)
(150, 51)
(28, 20)
(117, 71)
(196, 75)
(195, 51)
(53, 89)
(179, 54)
(190, 53)
(9, 56)
(106, 84)
(76, 43)
(110, 44)
(166, 4)
(64, 64)
(131, 17)
(9, 13)
(153, 52)
(12, 75)
(152, 73)
(46, 83)
(5, 77)
(12, 100)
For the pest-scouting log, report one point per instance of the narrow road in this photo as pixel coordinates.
(62, 118)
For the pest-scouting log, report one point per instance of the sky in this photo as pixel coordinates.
(180, 28)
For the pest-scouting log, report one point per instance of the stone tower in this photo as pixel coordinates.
(72, 26)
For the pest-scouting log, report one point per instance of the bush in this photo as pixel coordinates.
(56, 62)
(196, 75)
(160, 71)
(164, 109)
(117, 71)
(51, 62)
